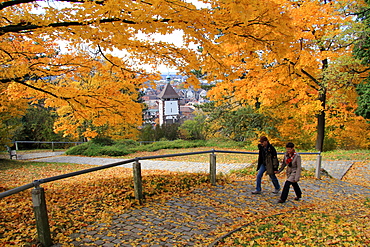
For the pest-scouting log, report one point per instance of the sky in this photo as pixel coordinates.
(174, 38)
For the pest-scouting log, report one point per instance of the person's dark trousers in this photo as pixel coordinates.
(285, 192)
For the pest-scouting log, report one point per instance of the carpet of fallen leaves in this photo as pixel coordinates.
(359, 174)
(341, 222)
(76, 202)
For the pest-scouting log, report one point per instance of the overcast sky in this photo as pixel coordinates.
(174, 38)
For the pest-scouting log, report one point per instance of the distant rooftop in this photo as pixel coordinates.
(168, 93)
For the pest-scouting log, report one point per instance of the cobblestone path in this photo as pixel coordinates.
(336, 169)
(202, 216)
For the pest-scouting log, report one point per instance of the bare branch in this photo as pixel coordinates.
(13, 3)
(16, 2)
(27, 27)
(115, 65)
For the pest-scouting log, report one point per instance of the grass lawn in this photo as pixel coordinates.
(132, 149)
(249, 158)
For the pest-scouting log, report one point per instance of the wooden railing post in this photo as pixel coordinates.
(138, 187)
(212, 168)
(41, 216)
(318, 166)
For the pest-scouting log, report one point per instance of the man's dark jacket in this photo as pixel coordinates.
(263, 153)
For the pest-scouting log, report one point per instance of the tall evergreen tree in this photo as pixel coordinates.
(362, 51)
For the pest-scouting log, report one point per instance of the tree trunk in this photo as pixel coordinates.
(321, 115)
(320, 131)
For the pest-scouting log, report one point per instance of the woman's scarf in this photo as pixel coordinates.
(290, 158)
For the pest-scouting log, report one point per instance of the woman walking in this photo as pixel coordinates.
(293, 162)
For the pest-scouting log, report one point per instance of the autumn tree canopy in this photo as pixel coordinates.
(85, 59)
(89, 86)
(303, 73)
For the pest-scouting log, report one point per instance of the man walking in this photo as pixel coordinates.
(267, 162)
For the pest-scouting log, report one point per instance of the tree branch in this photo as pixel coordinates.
(360, 71)
(303, 71)
(20, 80)
(13, 3)
(310, 76)
(115, 65)
(16, 2)
(29, 27)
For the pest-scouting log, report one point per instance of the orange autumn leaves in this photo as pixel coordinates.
(336, 219)
(79, 201)
(323, 225)
(96, 197)
(86, 59)
(303, 69)
(358, 174)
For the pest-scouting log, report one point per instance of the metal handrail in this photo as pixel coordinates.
(172, 155)
(242, 152)
(93, 169)
(36, 183)
(234, 152)
(16, 190)
(43, 142)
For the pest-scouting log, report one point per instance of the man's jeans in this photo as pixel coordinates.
(273, 177)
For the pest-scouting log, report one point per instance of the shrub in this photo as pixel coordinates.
(164, 132)
(124, 147)
(127, 143)
(78, 150)
(113, 151)
(103, 141)
(93, 150)
(192, 129)
(221, 143)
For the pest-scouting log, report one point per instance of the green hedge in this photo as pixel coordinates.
(124, 147)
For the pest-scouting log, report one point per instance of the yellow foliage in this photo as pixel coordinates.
(298, 68)
(72, 206)
(11, 107)
(90, 87)
(277, 51)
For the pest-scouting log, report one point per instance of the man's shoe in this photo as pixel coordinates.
(280, 201)
(256, 192)
(276, 191)
(297, 198)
